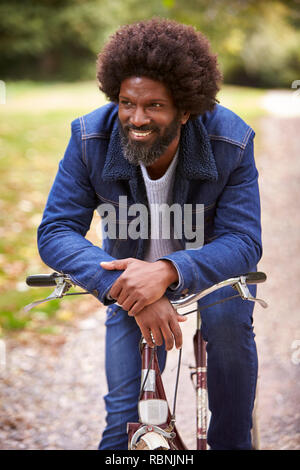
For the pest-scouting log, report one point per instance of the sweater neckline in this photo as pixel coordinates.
(165, 177)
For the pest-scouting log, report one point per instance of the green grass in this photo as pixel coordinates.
(34, 132)
(243, 101)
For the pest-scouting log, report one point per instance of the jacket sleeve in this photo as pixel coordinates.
(66, 220)
(237, 247)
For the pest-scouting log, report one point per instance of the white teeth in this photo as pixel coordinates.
(140, 133)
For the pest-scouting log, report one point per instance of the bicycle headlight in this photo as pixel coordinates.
(153, 411)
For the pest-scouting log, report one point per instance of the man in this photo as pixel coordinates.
(162, 140)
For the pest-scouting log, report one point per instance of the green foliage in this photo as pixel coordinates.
(257, 42)
(51, 38)
(34, 132)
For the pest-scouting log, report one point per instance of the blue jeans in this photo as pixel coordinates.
(231, 375)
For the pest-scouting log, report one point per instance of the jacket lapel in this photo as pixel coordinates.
(116, 166)
(196, 160)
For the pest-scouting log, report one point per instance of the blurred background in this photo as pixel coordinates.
(257, 42)
(48, 51)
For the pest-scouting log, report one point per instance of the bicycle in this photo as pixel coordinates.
(156, 429)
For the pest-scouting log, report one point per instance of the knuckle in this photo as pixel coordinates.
(142, 297)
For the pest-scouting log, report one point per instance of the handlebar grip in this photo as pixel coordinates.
(255, 277)
(42, 280)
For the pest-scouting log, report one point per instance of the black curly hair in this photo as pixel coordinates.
(164, 50)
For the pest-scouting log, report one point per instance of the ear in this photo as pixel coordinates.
(185, 117)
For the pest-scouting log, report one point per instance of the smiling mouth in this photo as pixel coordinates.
(140, 134)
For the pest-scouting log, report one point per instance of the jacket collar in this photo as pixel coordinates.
(196, 159)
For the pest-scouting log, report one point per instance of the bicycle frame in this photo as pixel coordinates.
(156, 428)
(164, 434)
(201, 386)
(138, 432)
(154, 389)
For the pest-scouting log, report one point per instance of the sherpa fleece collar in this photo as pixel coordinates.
(196, 159)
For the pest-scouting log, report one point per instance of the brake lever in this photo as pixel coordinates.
(62, 286)
(245, 294)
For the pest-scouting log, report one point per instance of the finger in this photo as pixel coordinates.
(147, 335)
(176, 330)
(168, 337)
(136, 307)
(122, 298)
(158, 339)
(116, 289)
(128, 304)
(119, 264)
(109, 265)
(181, 318)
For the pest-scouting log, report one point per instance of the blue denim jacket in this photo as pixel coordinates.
(216, 168)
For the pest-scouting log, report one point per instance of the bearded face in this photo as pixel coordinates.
(149, 122)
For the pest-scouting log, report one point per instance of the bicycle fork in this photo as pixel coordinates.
(200, 385)
(156, 425)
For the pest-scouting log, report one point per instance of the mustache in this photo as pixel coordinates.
(129, 127)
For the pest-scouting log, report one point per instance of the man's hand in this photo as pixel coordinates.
(142, 283)
(162, 320)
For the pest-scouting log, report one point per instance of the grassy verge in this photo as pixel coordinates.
(34, 132)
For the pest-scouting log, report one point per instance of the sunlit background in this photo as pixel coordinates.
(48, 51)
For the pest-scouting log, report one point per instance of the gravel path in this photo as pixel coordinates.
(51, 388)
(278, 327)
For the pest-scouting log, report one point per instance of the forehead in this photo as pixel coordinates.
(144, 88)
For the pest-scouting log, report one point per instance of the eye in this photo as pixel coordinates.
(125, 103)
(155, 105)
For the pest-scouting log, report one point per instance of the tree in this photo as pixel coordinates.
(257, 42)
(51, 38)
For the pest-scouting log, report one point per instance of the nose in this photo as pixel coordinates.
(138, 117)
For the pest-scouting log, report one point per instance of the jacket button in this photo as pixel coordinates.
(95, 292)
(185, 292)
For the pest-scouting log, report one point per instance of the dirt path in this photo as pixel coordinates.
(51, 389)
(278, 328)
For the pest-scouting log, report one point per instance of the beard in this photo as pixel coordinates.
(141, 152)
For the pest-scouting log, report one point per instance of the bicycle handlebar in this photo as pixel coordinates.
(63, 283)
(255, 277)
(239, 283)
(42, 280)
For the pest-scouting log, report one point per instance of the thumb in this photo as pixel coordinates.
(116, 264)
(181, 318)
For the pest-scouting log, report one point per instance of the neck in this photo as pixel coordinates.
(160, 166)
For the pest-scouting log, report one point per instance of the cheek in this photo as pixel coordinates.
(163, 122)
(121, 116)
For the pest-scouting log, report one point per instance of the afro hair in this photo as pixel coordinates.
(164, 50)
